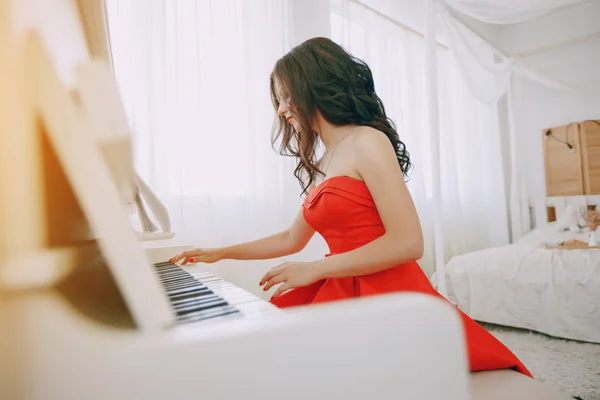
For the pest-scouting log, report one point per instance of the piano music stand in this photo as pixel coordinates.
(71, 133)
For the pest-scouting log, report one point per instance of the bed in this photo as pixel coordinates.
(524, 285)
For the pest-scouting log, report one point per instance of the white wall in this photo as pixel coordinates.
(310, 18)
(539, 108)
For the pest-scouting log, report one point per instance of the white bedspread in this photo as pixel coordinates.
(556, 292)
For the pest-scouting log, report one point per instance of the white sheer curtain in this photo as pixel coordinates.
(194, 77)
(473, 192)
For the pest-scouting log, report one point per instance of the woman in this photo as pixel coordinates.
(356, 195)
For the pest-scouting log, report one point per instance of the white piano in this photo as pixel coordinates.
(87, 313)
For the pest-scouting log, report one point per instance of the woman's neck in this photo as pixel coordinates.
(330, 134)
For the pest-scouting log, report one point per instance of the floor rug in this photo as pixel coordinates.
(570, 366)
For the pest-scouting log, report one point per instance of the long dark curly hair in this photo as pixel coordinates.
(320, 75)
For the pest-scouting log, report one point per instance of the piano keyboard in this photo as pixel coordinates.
(200, 296)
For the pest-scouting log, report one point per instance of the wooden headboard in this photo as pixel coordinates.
(546, 210)
(572, 159)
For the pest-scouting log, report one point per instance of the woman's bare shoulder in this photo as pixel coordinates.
(373, 143)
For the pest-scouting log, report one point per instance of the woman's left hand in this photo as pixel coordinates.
(290, 275)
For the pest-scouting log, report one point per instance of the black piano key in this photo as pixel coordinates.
(181, 302)
(190, 293)
(191, 299)
(175, 286)
(199, 304)
(179, 279)
(173, 276)
(203, 308)
(209, 314)
(160, 265)
(189, 290)
(175, 282)
(173, 271)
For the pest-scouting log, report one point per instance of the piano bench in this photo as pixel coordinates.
(511, 385)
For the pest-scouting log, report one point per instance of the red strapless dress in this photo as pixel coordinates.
(342, 210)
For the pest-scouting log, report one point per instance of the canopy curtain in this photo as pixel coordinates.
(491, 78)
(194, 78)
(507, 11)
(472, 194)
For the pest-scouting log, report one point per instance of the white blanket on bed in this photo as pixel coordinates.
(556, 292)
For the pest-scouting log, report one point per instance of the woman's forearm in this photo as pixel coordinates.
(274, 246)
(378, 255)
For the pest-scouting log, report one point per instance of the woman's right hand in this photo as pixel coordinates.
(207, 256)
